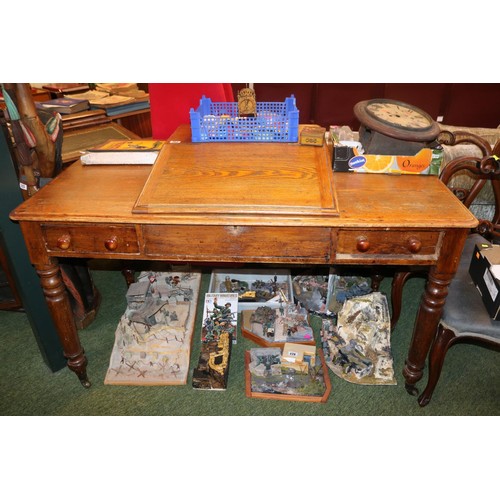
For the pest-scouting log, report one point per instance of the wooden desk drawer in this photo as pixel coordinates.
(238, 243)
(93, 239)
(361, 242)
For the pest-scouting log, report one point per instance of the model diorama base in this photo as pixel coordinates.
(358, 347)
(271, 383)
(270, 327)
(153, 339)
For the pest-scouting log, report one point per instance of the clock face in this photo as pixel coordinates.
(246, 106)
(396, 119)
(399, 115)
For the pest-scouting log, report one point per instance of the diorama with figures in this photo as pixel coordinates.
(357, 344)
(296, 372)
(218, 333)
(313, 292)
(254, 287)
(268, 326)
(153, 338)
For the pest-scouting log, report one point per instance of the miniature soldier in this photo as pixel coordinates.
(228, 283)
(224, 312)
(209, 329)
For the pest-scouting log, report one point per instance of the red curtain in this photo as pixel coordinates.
(171, 103)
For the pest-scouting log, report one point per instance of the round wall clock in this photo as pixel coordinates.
(394, 127)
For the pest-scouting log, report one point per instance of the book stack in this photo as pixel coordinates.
(118, 104)
(64, 105)
(126, 89)
(121, 98)
(84, 119)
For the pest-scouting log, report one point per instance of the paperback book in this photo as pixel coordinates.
(128, 108)
(118, 88)
(90, 95)
(123, 152)
(111, 101)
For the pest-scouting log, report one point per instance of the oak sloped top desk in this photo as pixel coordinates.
(255, 203)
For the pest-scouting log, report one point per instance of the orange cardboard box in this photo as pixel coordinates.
(386, 164)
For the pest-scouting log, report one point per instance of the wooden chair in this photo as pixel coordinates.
(464, 317)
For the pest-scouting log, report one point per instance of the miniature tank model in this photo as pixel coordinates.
(248, 296)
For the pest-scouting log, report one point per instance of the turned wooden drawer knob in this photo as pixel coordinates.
(414, 245)
(362, 244)
(111, 244)
(64, 241)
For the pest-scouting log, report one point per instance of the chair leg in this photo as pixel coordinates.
(129, 275)
(398, 283)
(443, 341)
(376, 279)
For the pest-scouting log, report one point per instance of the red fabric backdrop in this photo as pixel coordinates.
(171, 103)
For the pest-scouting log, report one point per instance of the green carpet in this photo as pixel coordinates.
(468, 386)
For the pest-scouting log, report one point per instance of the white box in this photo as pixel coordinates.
(249, 276)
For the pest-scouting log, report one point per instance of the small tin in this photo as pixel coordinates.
(312, 136)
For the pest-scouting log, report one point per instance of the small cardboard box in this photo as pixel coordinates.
(485, 273)
(221, 280)
(347, 159)
(312, 136)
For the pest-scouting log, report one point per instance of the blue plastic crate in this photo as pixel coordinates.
(219, 122)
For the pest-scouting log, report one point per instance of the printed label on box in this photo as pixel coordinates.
(387, 164)
(490, 284)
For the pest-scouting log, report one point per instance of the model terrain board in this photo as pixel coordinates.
(296, 373)
(153, 338)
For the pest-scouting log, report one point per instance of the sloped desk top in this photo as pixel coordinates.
(240, 178)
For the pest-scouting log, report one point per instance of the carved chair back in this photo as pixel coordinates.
(470, 177)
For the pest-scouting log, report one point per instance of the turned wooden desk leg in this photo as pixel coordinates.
(431, 306)
(60, 310)
(426, 323)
